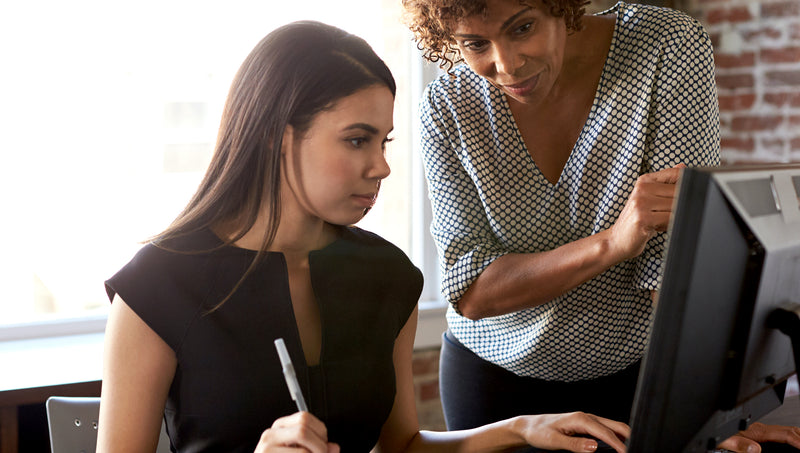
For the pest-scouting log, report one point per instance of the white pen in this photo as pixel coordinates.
(291, 377)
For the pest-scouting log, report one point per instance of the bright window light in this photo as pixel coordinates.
(108, 117)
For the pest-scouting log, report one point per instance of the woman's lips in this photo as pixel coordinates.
(523, 88)
(367, 200)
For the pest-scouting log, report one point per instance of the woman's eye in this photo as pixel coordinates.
(384, 142)
(523, 29)
(358, 142)
(474, 46)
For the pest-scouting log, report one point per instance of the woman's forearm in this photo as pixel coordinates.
(498, 436)
(572, 431)
(523, 280)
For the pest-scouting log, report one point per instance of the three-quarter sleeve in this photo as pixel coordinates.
(460, 227)
(684, 122)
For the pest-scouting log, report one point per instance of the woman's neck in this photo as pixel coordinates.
(294, 236)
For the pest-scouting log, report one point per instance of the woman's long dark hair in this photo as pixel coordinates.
(295, 72)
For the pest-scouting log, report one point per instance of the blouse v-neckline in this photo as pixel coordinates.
(505, 109)
(341, 237)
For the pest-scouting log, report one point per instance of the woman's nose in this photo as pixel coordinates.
(507, 60)
(380, 167)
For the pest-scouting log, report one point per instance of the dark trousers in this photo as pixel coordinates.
(475, 392)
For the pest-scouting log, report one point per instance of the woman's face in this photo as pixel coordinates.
(518, 48)
(334, 170)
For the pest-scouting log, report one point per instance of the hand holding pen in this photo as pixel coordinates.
(301, 429)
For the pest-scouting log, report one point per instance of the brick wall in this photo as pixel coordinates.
(757, 56)
(426, 388)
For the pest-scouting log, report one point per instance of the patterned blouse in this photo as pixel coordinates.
(655, 107)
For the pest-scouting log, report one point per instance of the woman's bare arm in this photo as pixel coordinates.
(138, 367)
(559, 431)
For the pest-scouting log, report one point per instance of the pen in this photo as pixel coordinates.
(291, 377)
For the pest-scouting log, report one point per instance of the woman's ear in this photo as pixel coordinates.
(288, 140)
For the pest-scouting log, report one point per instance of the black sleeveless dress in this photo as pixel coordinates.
(228, 386)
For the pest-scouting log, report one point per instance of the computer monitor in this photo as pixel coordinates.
(715, 363)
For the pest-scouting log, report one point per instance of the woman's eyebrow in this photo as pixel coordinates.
(505, 25)
(511, 19)
(364, 126)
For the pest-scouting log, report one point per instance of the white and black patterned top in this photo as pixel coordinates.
(655, 107)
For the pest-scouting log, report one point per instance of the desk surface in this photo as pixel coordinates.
(51, 361)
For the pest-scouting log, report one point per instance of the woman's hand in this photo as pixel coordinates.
(300, 431)
(571, 431)
(748, 440)
(646, 213)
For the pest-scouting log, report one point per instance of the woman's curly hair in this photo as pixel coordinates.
(432, 22)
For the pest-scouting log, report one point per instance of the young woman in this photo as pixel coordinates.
(551, 157)
(265, 250)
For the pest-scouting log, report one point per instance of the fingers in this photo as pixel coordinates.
(665, 176)
(297, 432)
(760, 432)
(646, 212)
(570, 431)
(740, 444)
(747, 440)
(658, 188)
(609, 431)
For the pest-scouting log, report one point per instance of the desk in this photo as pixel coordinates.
(33, 370)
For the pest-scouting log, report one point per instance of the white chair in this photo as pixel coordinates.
(72, 422)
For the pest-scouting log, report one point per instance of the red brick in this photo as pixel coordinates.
(780, 9)
(794, 120)
(734, 81)
(794, 143)
(759, 34)
(715, 16)
(791, 99)
(729, 15)
(715, 40)
(736, 102)
(728, 60)
(756, 122)
(738, 144)
(782, 78)
(739, 14)
(428, 391)
(782, 55)
(425, 364)
(772, 144)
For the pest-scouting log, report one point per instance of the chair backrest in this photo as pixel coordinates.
(73, 425)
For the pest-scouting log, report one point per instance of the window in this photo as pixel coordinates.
(109, 115)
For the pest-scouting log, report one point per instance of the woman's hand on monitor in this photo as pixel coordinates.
(748, 441)
(646, 213)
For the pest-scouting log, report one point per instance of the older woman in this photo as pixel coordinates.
(551, 158)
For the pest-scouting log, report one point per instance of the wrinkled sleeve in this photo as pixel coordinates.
(460, 227)
(684, 122)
